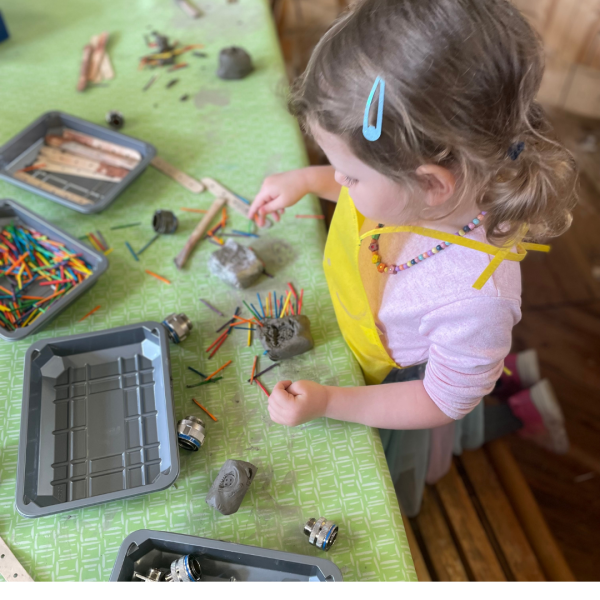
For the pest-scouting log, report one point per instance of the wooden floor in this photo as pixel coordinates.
(561, 320)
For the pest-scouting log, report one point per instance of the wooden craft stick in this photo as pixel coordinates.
(98, 144)
(56, 155)
(179, 176)
(48, 187)
(200, 230)
(106, 68)
(52, 167)
(87, 152)
(99, 43)
(85, 65)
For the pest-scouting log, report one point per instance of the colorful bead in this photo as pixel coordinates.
(461, 233)
(466, 229)
(430, 253)
(381, 267)
(413, 262)
(476, 221)
(376, 236)
(439, 247)
(373, 246)
(375, 259)
(471, 226)
(391, 270)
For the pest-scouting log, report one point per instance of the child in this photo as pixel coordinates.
(441, 164)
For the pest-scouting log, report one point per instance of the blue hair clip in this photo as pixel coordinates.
(515, 149)
(373, 132)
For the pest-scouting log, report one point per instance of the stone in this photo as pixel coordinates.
(236, 265)
(234, 63)
(286, 337)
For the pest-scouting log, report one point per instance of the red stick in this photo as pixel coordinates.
(90, 313)
(293, 290)
(300, 301)
(224, 334)
(218, 346)
(262, 387)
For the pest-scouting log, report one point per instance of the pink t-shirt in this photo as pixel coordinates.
(431, 312)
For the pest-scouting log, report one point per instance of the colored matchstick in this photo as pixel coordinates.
(202, 407)
(163, 279)
(218, 370)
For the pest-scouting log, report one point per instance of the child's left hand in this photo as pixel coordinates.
(295, 403)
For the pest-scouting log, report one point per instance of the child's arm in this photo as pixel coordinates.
(285, 189)
(391, 406)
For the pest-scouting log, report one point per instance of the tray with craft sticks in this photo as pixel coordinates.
(73, 162)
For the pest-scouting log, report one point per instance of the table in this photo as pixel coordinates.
(235, 132)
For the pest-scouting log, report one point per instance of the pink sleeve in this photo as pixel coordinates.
(469, 341)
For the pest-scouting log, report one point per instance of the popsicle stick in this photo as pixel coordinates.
(106, 68)
(52, 167)
(85, 65)
(88, 152)
(94, 142)
(99, 42)
(179, 176)
(200, 230)
(64, 158)
(52, 189)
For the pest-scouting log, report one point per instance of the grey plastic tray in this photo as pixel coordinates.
(21, 150)
(219, 560)
(13, 212)
(97, 421)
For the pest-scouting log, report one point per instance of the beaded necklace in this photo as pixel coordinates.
(393, 269)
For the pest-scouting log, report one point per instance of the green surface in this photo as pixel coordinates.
(235, 132)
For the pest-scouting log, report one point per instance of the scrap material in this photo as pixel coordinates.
(57, 156)
(29, 259)
(83, 71)
(10, 568)
(99, 44)
(211, 307)
(202, 407)
(185, 180)
(52, 189)
(163, 279)
(97, 143)
(90, 313)
(152, 80)
(90, 152)
(200, 230)
(188, 7)
(218, 370)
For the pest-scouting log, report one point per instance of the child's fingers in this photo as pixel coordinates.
(261, 198)
(284, 384)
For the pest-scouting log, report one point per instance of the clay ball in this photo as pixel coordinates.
(234, 63)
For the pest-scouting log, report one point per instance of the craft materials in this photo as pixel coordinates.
(88, 314)
(188, 7)
(79, 149)
(229, 488)
(321, 533)
(185, 180)
(200, 230)
(178, 326)
(115, 119)
(191, 433)
(300, 301)
(101, 145)
(176, 68)
(393, 269)
(244, 233)
(83, 70)
(234, 63)
(31, 264)
(125, 226)
(219, 370)
(257, 375)
(99, 48)
(262, 387)
(10, 568)
(150, 82)
(154, 575)
(166, 52)
(132, 251)
(163, 279)
(211, 307)
(194, 210)
(52, 189)
(51, 167)
(236, 265)
(148, 244)
(287, 301)
(164, 221)
(253, 369)
(101, 238)
(197, 372)
(204, 382)
(56, 156)
(204, 409)
(286, 337)
(172, 82)
(249, 336)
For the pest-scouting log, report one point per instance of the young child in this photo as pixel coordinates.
(442, 163)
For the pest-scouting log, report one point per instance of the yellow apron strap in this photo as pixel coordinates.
(535, 247)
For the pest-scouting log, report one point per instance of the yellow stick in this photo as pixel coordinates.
(285, 305)
(249, 337)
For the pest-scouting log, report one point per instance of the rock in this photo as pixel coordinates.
(286, 337)
(234, 63)
(236, 265)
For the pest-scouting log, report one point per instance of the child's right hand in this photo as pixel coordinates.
(278, 192)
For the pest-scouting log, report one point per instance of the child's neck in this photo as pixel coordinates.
(451, 223)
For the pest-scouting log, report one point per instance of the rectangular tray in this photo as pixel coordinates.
(11, 211)
(22, 149)
(97, 421)
(219, 560)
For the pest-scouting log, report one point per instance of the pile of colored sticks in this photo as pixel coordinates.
(254, 375)
(276, 308)
(236, 322)
(211, 233)
(28, 258)
(97, 241)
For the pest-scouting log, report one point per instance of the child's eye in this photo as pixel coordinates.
(348, 181)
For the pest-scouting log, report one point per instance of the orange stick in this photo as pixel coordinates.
(202, 407)
(262, 387)
(158, 277)
(90, 313)
(253, 369)
(218, 346)
(224, 334)
(218, 370)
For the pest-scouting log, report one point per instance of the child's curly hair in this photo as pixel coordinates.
(461, 78)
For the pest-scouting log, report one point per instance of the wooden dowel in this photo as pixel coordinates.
(85, 64)
(200, 230)
(551, 559)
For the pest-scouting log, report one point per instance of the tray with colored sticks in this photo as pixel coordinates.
(42, 270)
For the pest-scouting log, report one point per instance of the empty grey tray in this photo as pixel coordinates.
(22, 149)
(13, 212)
(97, 421)
(219, 560)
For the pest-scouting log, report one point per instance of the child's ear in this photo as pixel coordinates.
(438, 184)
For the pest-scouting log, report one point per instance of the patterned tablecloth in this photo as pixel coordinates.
(236, 132)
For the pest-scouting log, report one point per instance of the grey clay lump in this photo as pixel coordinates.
(229, 488)
(286, 337)
(234, 63)
(236, 265)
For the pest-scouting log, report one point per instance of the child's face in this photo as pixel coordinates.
(375, 196)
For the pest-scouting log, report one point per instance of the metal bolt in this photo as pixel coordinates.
(178, 326)
(321, 533)
(115, 119)
(191, 433)
(186, 568)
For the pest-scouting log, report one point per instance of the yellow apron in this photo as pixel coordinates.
(348, 293)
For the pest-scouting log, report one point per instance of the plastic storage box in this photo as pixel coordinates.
(220, 561)
(97, 421)
(23, 148)
(13, 212)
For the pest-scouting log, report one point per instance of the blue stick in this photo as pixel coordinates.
(132, 252)
(261, 305)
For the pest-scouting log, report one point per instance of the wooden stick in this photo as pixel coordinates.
(218, 370)
(253, 369)
(52, 189)
(285, 305)
(163, 279)
(56, 155)
(86, 151)
(83, 71)
(90, 313)
(98, 55)
(179, 176)
(94, 142)
(262, 387)
(52, 167)
(200, 230)
(202, 407)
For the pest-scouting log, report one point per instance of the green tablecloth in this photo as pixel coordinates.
(235, 132)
